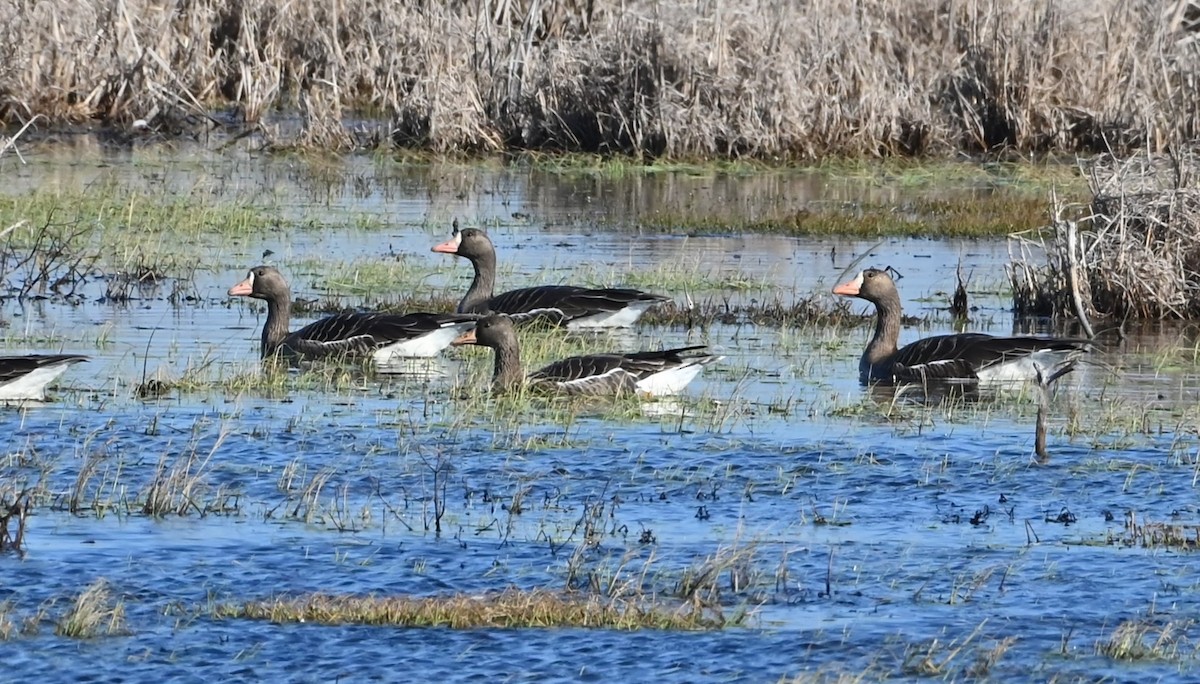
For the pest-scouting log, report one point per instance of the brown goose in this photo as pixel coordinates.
(24, 378)
(651, 373)
(574, 307)
(383, 336)
(968, 356)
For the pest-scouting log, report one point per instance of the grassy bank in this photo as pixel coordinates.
(765, 80)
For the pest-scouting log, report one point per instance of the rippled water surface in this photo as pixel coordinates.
(878, 536)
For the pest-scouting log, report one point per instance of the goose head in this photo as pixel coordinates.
(470, 243)
(494, 330)
(873, 284)
(262, 282)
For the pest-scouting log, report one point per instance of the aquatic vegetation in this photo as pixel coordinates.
(506, 609)
(95, 612)
(849, 534)
(1169, 535)
(1149, 639)
(985, 215)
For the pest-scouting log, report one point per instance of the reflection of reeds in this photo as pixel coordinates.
(14, 512)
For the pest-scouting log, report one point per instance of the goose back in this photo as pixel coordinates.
(653, 373)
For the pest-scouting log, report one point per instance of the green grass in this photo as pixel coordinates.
(985, 216)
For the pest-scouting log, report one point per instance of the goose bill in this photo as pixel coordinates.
(244, 288)
(449, 246)
(850, 288)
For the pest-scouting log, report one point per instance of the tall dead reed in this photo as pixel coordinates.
(1134, 255)
(767, 79)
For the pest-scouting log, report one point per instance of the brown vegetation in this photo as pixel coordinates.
(1134, 255)
(767, 79)
(511, 608)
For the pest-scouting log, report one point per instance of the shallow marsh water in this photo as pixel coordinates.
(879, 537)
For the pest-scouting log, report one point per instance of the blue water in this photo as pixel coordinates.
(873, 531)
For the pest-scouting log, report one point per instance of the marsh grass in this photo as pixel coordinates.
(775, 310)
(1132, 253)
(1144, 639)
(136, 241)
(769, 80)
(508, 609)
(977, 216)
(1177, 536)
(179, 488)
(94, 613)
(965, 657)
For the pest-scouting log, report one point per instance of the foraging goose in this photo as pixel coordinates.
(968, 356)
(652, 373)
(383, 336)
(24, 378)
(574, 307)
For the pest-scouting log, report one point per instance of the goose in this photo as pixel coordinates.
(383, 336)
(971, 357)
(648, 373)
(563, 305)
(24, 378)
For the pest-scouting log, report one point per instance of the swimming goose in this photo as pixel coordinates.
(383, 336)
(574, 307)
(651, 373)
(24, 378)
(968, 356)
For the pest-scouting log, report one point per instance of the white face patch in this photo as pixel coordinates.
(250, 278)
(858, 281)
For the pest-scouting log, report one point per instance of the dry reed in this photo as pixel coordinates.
(766, 79)
(1135, 256)
(95, 612)
(507, 609)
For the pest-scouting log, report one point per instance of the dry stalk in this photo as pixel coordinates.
(767, 79)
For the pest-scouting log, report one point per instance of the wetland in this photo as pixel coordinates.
(181, 509)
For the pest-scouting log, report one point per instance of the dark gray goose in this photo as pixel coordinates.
(648, 373)
(973, 357)
(384, 337)
(24, 378)
(565, 305)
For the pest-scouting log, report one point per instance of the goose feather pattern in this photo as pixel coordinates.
(383, 336)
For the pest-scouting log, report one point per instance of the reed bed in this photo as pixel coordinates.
(511, 608)
(1133, 253)
(767, 79)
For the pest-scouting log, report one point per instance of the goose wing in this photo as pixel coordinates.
(561, 303)
(592, 374)
(15, 367)
(963, 356)
(614, 373)
(357, 333)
